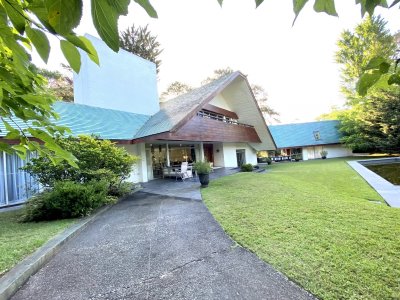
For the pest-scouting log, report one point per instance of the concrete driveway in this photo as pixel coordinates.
(156, 247)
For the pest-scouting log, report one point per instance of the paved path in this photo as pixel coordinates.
(189, 188)
(156, 247)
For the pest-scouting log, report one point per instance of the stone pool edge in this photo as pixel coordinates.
(389, 192)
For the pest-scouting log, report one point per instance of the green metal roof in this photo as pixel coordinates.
(306, 134)
(105, 123)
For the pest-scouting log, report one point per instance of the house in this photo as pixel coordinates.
(219, 122)
(309, 139)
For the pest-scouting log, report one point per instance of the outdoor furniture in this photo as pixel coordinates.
(185, 171)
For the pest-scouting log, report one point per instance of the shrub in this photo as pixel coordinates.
(67, 199)
(97, 160)
(123, 189)
(324, 153)
(247, 168)
(202, 167)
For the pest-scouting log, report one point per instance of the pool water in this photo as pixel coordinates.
(391, 172)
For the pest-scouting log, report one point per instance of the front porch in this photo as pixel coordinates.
(189, 188)
(164, 157)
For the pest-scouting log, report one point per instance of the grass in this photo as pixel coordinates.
(318, 223)
(18, 240)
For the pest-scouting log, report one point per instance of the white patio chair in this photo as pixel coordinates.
(185, 171)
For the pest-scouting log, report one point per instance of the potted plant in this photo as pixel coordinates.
(203, 169)
(323, 153)
(296, 156)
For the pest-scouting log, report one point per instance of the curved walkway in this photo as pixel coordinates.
(156, 247)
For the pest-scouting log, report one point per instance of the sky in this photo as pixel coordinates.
(294, 64)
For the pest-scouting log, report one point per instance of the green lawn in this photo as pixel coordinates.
(17, 240)
(317, 223)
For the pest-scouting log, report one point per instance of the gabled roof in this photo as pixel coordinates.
(304, 134)
(175, 111)
(83, 119)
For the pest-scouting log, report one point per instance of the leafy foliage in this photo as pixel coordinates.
(373, 125)
(202, 167)
(67, 199)
(25, 24)
(369, 46)
(97, 160)
(246, 168)
(141, 42)
(175, 89)
(58, 84)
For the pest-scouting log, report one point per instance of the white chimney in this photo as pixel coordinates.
(123, 81)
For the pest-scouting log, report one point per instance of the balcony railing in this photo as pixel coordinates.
(221, 118)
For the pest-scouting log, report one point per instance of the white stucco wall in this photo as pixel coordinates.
(229, 154)
(333, 151)
(139, 172)
(123, 81)
(338, 151)
(221, 102)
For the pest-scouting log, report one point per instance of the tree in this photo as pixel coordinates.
(373, 125)
(267, 111)
(217, 74)
(58, 84)
(369, 39)
(25, 23)
(141, 42)
(175, 89)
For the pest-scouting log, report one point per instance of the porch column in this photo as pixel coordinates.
(201, 151)
(168, 162)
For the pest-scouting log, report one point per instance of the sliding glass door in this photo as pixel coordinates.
(16, 185)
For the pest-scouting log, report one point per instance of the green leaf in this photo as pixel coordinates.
(384, 67)
(16, 14)
(85, 45)
(64, 15)
(39, 9)
(327, 6)
(105, 19)
(40, 41)
(71, 54)
(258, 2)
(394, 79)
(147, 7)
(121, 6)
(370, 5)
(220, 2)
(375, 63)
(297, 7)
(12, 133)
(367, 80)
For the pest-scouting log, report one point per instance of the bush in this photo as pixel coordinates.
(67, 199)
(202, 167)
(123, 189)
(97, 160)
(247, 168)
(324, 153)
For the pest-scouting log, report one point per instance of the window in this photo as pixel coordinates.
(16, 185)
(317, 135)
